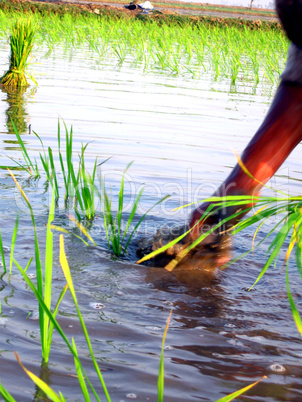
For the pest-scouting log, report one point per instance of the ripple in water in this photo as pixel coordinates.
(277, 368)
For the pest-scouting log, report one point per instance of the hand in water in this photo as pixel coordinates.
(279, 134)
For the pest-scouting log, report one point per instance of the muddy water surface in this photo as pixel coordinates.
(180, 132)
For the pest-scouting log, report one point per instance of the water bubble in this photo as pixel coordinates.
(6, 249)
(277, 368)
(31, 276)
(168, 347)
(234, 342)
(229, 325)
(217, 355)
(119, 293)
(96, 306)
(131, 396)
(3, 320)
(153, 328)
(258, 338)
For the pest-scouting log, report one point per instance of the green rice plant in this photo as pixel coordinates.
(2, 254)
(43, 283)
(86, 183)
(214, 47)
(240, 392)
(42, 384)
(68, 156)
(161, 373)
(82, 376)
(21, 44)
(13, 245)
(78, 185)
(6, 395)
(116, 236)
(66, 270)
(160, 382)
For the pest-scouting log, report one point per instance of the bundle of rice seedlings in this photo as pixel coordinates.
(21, 44)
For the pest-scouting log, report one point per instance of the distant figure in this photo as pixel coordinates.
(142, 6)
(132, 5)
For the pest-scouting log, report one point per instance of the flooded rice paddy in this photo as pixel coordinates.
(180, 133)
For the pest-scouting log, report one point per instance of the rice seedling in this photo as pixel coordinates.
(161, 374)
(2, 254)
(81, 189)
(13, 245)
(81, 374)
(44, 281)
(240, 392)
(185, 47)
(78, 185)
(48, 321)
(45, 309)
(116, 235)
(21, 44)
(6, 395)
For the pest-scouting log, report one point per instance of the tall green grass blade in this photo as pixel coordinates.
(54, 315)
(161, 374)
(66, 270)
(13, 245)
(281, 236)
(81, 228)
(299, 253)
(48, 276)
(28, 264)
(54, 322)
(45, 164)
(53, 172)
(38, 262)
(140, 221)
(240, 392)
(293, 307)
(120, 207)
(6, 395)
(2, 254)
(41, 384)
(62, 230)
(80, 374)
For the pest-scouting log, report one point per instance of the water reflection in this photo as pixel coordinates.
(16, 112)
(198, 295)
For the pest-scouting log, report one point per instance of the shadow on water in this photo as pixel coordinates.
(198, 278)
